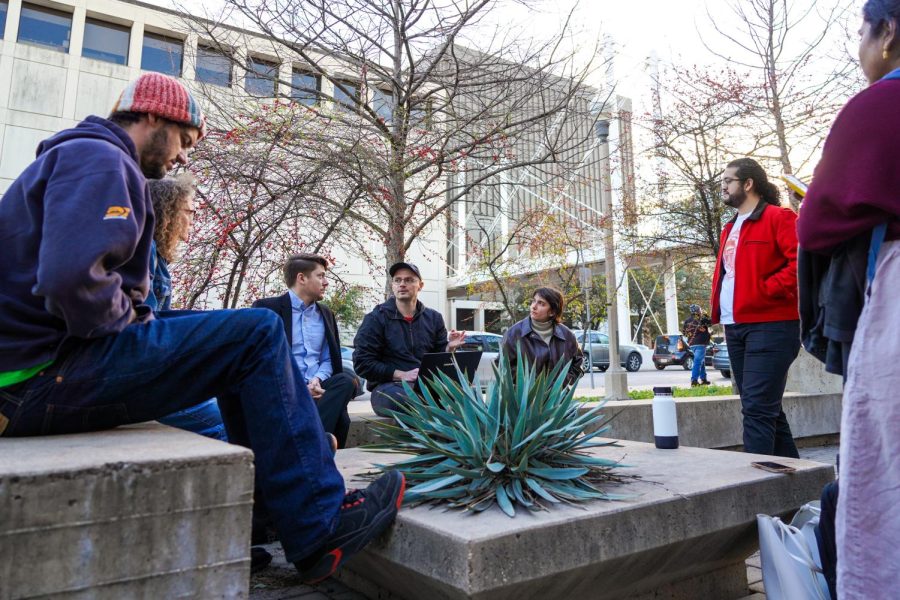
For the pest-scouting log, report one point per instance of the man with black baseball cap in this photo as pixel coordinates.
(394, 337)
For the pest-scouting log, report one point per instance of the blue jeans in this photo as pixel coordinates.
(204, 419)
(699, 370)
(761, 354)
(181, 359)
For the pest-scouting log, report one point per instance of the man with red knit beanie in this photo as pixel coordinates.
(81, 351)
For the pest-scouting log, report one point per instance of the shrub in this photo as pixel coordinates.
(524, 444)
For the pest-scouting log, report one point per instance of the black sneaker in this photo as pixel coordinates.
(704, 382)
(364, 515)
(694, 384)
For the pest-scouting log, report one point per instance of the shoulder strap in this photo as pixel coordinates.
(874, 247)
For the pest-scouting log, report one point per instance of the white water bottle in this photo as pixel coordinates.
(665, 419)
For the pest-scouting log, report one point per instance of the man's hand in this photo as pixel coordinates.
(315, 388)
(456, 340)
(409, 376)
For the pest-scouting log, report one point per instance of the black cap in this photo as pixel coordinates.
(404, 265)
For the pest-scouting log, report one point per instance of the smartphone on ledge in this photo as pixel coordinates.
(773, 467)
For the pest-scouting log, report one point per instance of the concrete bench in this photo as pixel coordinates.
(143, 511)
(685, 534)
(710, 422)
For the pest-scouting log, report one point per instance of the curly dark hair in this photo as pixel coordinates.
(747, 168)
(169, 196)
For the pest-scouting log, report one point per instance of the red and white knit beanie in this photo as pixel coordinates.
(163, 96)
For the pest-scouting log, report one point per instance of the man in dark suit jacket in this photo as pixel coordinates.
(312, 333)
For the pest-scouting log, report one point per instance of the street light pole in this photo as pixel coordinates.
(587, 336)
(615, 378)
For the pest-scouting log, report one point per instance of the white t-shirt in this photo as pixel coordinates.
(729, 253)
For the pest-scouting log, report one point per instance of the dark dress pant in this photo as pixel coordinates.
(340, 389)
(761, 354)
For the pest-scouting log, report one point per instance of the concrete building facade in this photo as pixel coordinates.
(62, 60)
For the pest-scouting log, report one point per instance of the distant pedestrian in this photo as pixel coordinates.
(696, 331)
(856, 192)
(755, 297)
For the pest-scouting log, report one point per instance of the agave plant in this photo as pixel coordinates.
(524, 443)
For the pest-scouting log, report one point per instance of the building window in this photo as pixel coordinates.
(162, 54)
(4, 8)
(465, 319)
(213, 67)
(383, 104)
(347, 98)
(105, 41)
(45, 27)
(305, 87)
(261, 78)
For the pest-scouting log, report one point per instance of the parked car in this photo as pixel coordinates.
(721, 360)
(672, 349)
(629, 354)
(347, 362)
(489, 346)
(710, 353)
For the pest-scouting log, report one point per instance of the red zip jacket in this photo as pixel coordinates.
(765, 285)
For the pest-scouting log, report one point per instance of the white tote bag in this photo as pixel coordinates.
(789, 555)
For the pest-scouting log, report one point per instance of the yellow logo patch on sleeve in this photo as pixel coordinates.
(117, 212)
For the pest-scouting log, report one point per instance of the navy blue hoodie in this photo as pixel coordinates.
(75, 233)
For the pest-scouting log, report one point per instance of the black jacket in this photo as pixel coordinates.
(832, 294)
(386, 342)
(696, 330)
(282, 306)
(562, 345)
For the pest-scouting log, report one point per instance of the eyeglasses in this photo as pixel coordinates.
(406, 280)
(727, 180)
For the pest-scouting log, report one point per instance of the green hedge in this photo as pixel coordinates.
(688, 392)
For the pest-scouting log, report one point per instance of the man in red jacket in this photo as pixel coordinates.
(755, 297)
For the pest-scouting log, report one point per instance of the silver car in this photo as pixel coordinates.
(489, 346)
(629, 354)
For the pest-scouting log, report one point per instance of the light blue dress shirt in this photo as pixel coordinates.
(309, 348)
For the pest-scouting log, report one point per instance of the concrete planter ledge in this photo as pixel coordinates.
(685, 535)
(716, 421)
(706, 422)
(143, 511)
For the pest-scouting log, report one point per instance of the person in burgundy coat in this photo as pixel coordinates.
(856, 192)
